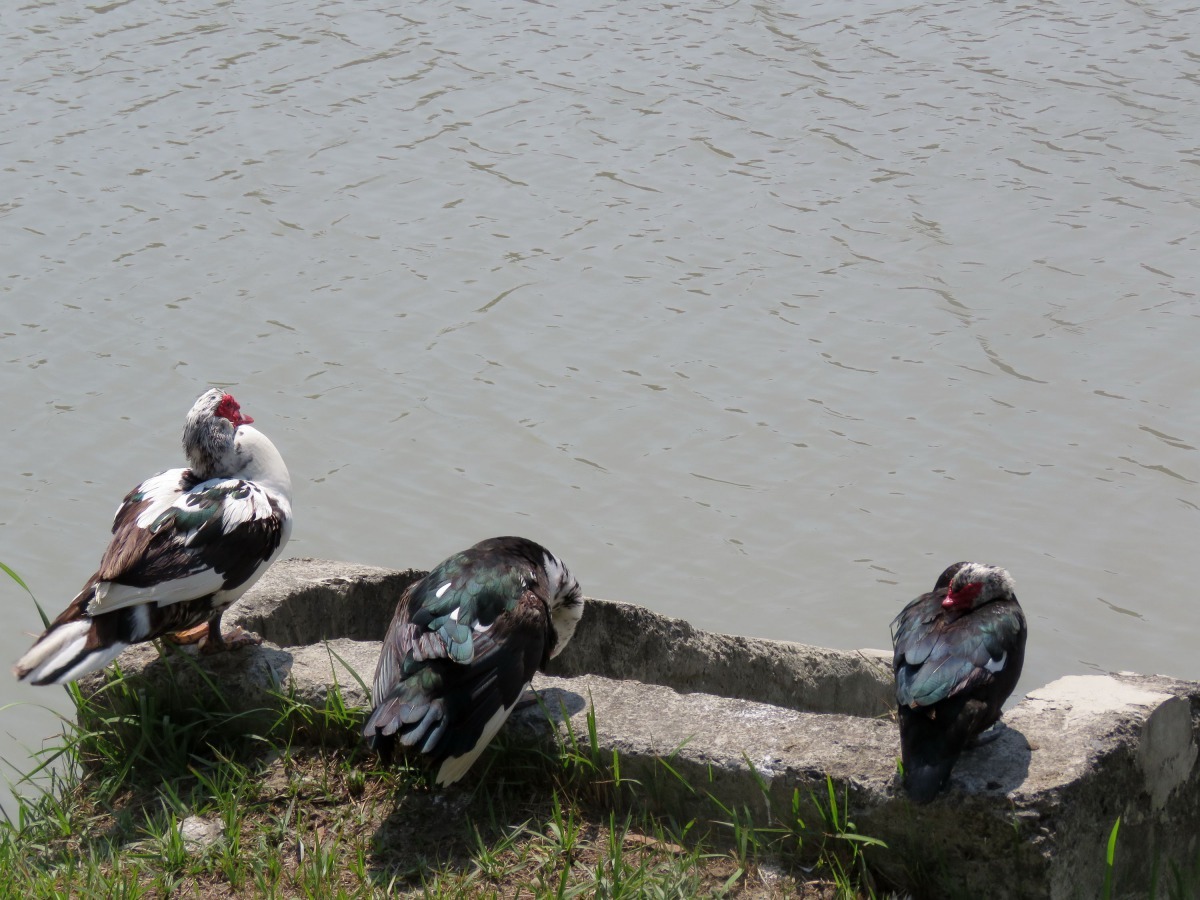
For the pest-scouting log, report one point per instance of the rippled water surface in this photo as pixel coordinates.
(758, 314)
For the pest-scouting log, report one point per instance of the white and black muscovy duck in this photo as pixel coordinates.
(958, 654)
(464, 644)
(186, 544)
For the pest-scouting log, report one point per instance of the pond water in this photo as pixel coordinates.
(758, 314)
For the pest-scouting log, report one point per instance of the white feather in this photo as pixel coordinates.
(112, 596)
(455, 767)
(565, 619)
(161, 491)
(564, 616)
(264, 466)
(996, 665)
(61, 647)
(97, 659)
(141, 623)
(235, 512)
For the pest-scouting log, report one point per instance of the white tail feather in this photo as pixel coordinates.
(455, 767)
(63, 648)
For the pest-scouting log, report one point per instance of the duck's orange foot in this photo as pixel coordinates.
(188, 635)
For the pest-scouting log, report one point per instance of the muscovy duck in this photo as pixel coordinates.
(958, 654)
(186, 544)
(464, 644)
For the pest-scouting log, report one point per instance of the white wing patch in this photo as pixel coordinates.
(478, 627)
(996, 665)
(237, 511)
(161, 491)
(111, 596)
(445, 587)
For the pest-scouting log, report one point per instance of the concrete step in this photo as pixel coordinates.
(1027, 815)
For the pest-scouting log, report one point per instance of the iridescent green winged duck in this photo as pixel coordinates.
(958, 654)
(462, 647)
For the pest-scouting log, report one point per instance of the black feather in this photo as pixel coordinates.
(946, 690)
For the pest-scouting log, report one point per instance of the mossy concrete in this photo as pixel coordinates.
(1026, 816)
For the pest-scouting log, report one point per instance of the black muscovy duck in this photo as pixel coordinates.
(185, 545)
(464, 644)
(958, 654)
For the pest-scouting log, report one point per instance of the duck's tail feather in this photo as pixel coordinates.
(925, 779)
(65, 652)
(931, 741)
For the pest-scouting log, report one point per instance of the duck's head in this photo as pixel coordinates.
(975, 584)
(566, 602)
(208, 434)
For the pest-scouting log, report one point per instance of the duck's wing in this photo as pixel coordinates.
(174, 541)
(961, 655)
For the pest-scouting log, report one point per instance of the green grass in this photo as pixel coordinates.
(1172, 882)
(303, 810)
(297, 819)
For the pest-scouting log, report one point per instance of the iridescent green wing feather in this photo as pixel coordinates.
(458, 600)
(954, 659)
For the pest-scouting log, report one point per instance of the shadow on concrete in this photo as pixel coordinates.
(926, 854)
(167, 715)
(995, 768)
(179, 697)
(558, 703)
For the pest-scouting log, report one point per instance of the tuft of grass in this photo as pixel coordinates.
(1110, 856)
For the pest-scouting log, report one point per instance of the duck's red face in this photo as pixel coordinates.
(228, 409)
(963, 596)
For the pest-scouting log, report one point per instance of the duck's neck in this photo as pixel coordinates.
(261, 463)
(246, 453)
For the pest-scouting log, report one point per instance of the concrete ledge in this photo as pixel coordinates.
(1027, 816)
(302, 601)
(623, 641)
